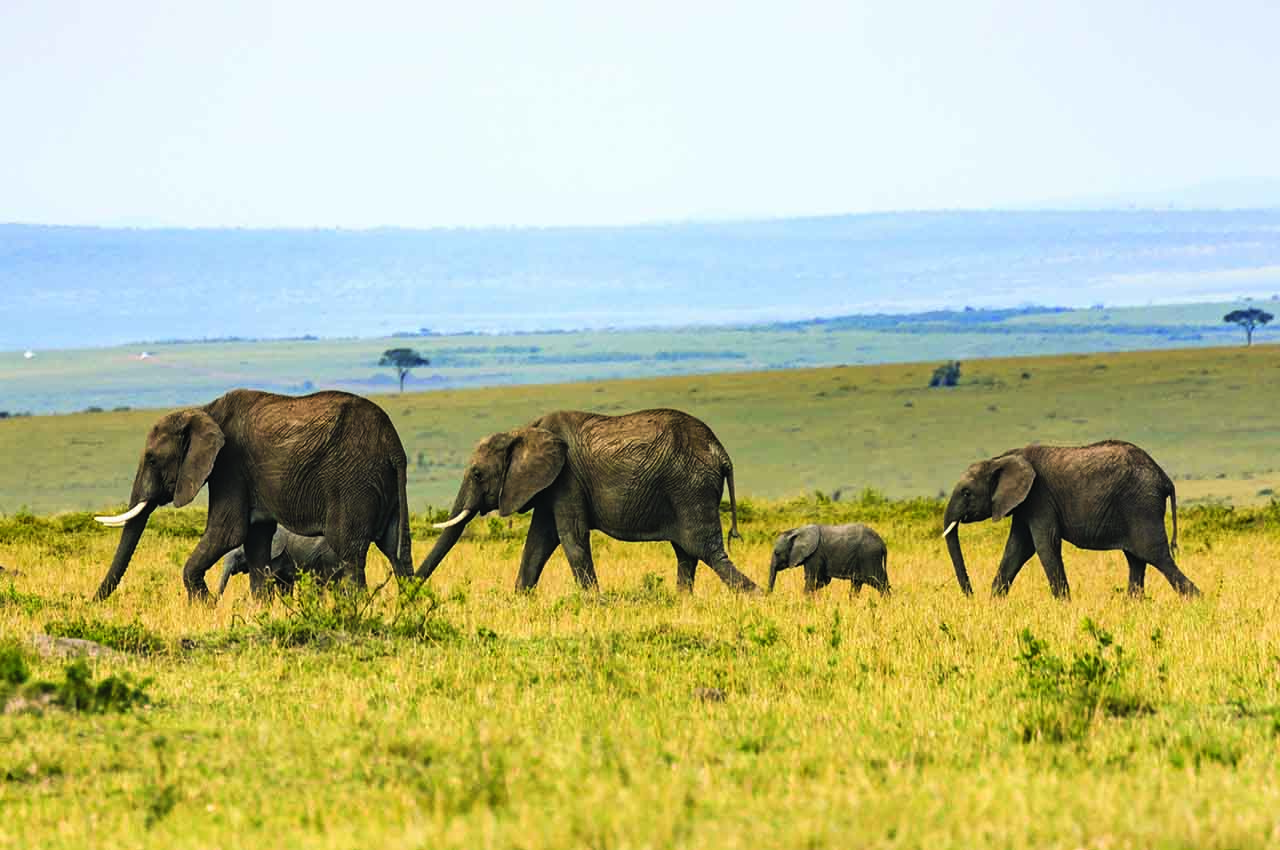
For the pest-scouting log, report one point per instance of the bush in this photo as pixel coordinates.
(1063, 700)
(316, 615)
(946, 375)
(132, 637)
(77, 691)
(13, 664)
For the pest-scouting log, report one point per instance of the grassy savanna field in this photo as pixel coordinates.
(637, 717)
(63, 381)
(1206, 415)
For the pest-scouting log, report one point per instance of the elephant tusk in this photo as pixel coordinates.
(452, 522)
(120, 519)
(951, 528)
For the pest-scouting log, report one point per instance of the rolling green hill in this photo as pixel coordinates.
(1207, 415)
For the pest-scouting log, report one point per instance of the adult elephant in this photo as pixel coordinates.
(1107, 495)
(649, 475)
(330, 464)
(291, 556)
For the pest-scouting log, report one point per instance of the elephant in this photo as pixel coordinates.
(328, 463)
(853, 552)
(291, 555)
(648, 475)
(1103, 496)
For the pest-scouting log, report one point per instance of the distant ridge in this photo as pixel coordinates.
(81, 286)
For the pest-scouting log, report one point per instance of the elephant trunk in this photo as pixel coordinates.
(230, 567)
(462, 514)
(773, 573)
(952, 534)
(124, 551)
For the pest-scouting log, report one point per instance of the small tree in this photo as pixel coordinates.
(1248, 319)
(946, 375)
(402, 360)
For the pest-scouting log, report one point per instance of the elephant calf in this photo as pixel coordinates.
(291, 556)
(1107, 495)
(852, 552)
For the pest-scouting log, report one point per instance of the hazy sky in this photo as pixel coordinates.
(253, 113)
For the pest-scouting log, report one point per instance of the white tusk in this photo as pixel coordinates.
(459, 518)
(951, 527)
(120, 519)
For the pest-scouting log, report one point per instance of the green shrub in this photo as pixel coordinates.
(1063, 700)
(30, 603)
(318, 615)
(77, 692)
(132, 637)
(13, 664)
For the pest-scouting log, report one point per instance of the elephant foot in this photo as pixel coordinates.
(200, 595)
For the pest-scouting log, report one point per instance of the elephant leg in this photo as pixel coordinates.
(1154, 549)
(352, 554)
(389, 545)
(1164, 562)
(539, 543)
(811, 584)
(1018, 549)
(575, 537)
(223, 532)
(686, 568)
(1137, 574)
(1048, 543)
(855, 588)
(257, 555)
(718, 560)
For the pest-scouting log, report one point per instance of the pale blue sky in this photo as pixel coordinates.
(252, 113)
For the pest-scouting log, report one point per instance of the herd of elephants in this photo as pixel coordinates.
(307, 483)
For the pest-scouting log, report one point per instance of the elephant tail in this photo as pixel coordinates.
(726, 469)
(404, 542)
(1173, 504)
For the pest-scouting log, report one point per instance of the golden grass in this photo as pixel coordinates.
(561, 719)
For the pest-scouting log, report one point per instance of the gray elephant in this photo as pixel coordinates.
(291, 556)
(329, 463)
(1107, 495)
(650, 475)
(852, 552)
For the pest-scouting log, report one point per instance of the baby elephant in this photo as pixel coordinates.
(852, 552)
(291, 555)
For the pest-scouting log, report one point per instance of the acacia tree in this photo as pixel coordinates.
(1248, 319)
(402, 360)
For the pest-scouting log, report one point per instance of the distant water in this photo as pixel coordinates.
(77, 287)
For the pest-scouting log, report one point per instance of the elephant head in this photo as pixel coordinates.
(176, 462)
(792, 549)
(989, 489)
(505, 472)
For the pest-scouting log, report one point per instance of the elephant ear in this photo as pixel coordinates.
(1014, 478)
(804, 542)
(278, 541)
(204, 441)
(534, 459)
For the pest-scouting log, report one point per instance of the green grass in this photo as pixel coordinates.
(187, 373)
(638, 717)
(1206, 415)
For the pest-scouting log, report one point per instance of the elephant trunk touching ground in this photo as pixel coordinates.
(147, 494)
(124, 551)
(951, 520)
